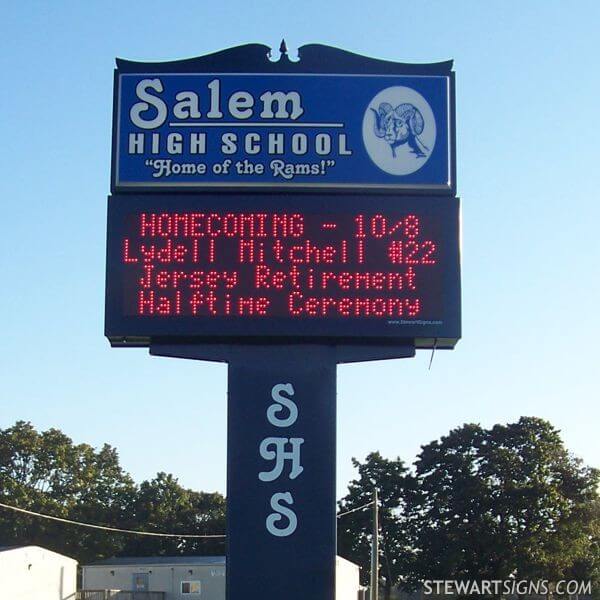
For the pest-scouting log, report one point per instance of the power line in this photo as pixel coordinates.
(355, 509)
(103, 528)
(134, 532)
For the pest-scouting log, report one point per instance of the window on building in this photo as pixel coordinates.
(190, 587)
(140, 582)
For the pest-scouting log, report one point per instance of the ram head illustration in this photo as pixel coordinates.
(400, 125)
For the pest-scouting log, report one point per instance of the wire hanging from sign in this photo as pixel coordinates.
(432, 353)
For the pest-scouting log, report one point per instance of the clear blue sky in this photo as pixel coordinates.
(528, 174)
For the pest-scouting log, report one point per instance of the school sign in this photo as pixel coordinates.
(283, 217)
(192, 130)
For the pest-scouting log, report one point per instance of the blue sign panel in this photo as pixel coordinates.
(193, 131)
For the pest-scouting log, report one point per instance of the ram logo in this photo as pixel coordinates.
(399, 130)
(400, 125)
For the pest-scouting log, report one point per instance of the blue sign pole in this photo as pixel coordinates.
(281, 474)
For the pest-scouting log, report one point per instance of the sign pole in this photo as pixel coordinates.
(281, 521)
(281, 428)
(375, 549)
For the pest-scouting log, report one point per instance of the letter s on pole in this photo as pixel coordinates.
(280, 512)
(282, 401)
(148, 100)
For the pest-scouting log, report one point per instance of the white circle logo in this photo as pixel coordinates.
(399, 130)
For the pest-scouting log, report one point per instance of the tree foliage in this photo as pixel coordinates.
(509, 501)
(480, 504)
(163, 505)
(46, 472)
(502, 502)
(355, 529)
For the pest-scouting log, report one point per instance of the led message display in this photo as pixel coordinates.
(256, 266)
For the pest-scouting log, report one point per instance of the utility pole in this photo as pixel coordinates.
(375, 550)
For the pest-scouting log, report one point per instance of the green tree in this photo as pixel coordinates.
(355, 529)
(587, 562)
(46, 472)
(163, 505)
(508, 501)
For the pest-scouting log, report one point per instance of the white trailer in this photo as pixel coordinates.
(180, 577)
(34, 573)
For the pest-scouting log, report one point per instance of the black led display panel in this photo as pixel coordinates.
(283, 267)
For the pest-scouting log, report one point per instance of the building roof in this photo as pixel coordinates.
(34, 548)
(124, 561)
